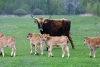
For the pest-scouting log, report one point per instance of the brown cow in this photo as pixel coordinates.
(55, 41)
(56, 27)
(92, 43)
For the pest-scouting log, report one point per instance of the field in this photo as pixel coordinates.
(79, 57)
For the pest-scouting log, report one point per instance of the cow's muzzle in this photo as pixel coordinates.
(40, 27)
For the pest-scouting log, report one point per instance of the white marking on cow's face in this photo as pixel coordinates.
(40, 20)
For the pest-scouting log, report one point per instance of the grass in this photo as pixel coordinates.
(21, 26)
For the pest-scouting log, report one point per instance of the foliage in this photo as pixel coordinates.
(38, 11)
(20, 12)
(51, 6)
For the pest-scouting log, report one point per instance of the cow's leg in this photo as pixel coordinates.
(63, 51)
(36, 49)
(94, 52)
(2, 52)
(70, 39)
(67, 49)
(41, 48)
(46, 46)
(31, 46)
(50, 51)
(13, 53)
(90, 54)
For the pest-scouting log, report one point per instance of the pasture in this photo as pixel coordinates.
(19, 27)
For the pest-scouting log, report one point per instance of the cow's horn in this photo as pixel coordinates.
(32, 17)
(49, 16)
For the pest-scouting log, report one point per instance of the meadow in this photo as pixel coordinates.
(19, 27)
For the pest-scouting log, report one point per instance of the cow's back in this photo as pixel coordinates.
(96, 41)
(56, 27)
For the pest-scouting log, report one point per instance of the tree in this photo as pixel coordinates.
(1, 6)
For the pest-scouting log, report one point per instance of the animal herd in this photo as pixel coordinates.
(52, 33)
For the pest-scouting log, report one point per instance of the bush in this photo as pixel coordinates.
(38, 11)
(20, 12)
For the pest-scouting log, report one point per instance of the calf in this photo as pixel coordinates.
(92, 43)
(1, 36)
(35, 40)
(55, 41)
(8, 41)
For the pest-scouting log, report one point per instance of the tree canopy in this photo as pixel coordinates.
(55, 7)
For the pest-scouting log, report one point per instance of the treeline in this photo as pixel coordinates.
(57, 7)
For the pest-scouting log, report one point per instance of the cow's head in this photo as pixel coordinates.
(40, 22)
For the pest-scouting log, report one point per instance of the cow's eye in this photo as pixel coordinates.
(45, 21)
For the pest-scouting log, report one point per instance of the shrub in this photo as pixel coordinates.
(38, 11)
(20, 12)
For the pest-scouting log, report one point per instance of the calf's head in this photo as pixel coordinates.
(44, 36)
(29, 36)
(86, 40)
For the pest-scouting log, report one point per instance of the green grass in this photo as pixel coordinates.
(21, 26)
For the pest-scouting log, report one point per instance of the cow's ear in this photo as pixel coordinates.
(46, 20)
(35, 20)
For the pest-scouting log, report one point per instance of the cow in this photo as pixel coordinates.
(8, 42)
(35, 41)
(92, 43)
(56, 41)
(54, 27)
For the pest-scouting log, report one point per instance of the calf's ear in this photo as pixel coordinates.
(12, 38)
(30, 34)
(85, 37)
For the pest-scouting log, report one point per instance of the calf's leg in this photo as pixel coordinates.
(31, 46)
(63, 50)
(2, 52)
(36, 49)
(90, 54)
(50, 51)
(67, 49)
(13, 53)
(41, 48)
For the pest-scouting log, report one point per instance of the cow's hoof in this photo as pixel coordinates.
(0, 53)
(36, 54)
(52, 56)
(73, 47)
(90, 56)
